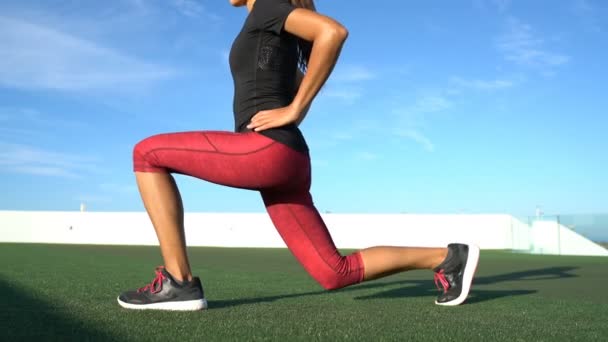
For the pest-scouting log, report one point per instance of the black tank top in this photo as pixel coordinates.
(263, 63)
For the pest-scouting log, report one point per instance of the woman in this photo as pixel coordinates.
(279, 61)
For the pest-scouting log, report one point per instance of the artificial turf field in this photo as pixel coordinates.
(68, 293)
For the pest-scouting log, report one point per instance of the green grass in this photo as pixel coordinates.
(62, 292)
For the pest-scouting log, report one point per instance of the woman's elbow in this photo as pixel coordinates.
(340, 32)
(334, 32)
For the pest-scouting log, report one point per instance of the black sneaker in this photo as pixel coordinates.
(455, 273)
(165, 293)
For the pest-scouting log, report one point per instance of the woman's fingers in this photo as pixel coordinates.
(263, 120)
(270, 119)
(263, 127)
(263, 124)
(256, 120)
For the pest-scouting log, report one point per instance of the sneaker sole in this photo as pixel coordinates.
(467, 278)
(187, 305)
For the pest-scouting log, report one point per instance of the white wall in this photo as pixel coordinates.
(256, 230)
(520, 235)
(553, 238)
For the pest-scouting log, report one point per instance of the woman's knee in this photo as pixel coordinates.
(345, 273)
(143, 155)
(141, 149)
(330, 281)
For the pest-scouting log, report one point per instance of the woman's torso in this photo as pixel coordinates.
(263, 63)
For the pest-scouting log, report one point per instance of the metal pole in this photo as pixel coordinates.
(559, 238)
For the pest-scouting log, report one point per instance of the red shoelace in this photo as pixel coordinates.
(157, 284)
(440, 278)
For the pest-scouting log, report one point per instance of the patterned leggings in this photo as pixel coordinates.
(281, 175)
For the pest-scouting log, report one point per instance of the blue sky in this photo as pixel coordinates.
(474, 106)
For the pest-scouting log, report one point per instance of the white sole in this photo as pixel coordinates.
(187, 305)
(467, 278)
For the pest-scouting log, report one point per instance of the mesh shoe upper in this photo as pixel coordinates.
(449, 274)
(164, 288)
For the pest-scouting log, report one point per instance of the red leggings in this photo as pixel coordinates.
(282, 176)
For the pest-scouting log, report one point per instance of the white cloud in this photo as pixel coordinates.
(412, 119)
(87, 199)
(118, 189)
(482, 84)
(352, 130)
(434, 104)
(194, 9)
(342, 136)
(43, 170)
(345, 83)
(106, 193)
(19, 158)
(502, 5)
(583, 6)
(348, 95)
(353, 73)
(430, 104)
(32, 117)
(25, 124)
(367, 156)
(522, 45)
(39, 57)
(139, 4)
(588, 14)
(190, 8)
(13, 132)
(187, 8)
(418, 137)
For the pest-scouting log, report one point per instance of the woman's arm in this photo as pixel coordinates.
(327, 37)
(299, 78)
